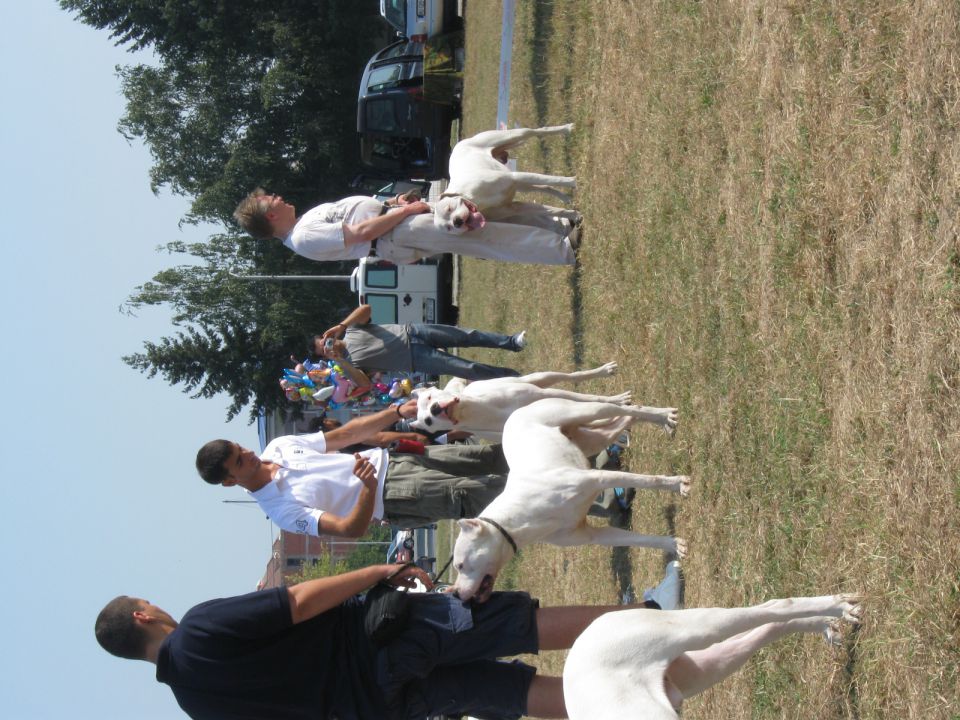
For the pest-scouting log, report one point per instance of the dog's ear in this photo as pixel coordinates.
(415, 393)
(455, 386)
(469, 526)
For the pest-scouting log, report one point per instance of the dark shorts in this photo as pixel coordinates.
(446, 660)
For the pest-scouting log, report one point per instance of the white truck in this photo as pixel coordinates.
(400, 294)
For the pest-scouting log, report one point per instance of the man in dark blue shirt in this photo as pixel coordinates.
(301, 652)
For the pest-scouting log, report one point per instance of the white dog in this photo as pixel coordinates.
(551, 486)
(641, 664)
(479, 181)
(482, 407)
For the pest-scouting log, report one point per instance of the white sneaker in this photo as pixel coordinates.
(520, 340)
(667, 593)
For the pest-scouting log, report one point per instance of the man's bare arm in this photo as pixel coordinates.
(372, 228)
(364, 428)
(356, 523)
(311, 598)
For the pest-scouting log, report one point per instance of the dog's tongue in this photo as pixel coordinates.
(476, 220)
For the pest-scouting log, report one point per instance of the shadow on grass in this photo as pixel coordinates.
(542, 42)
(620, 563)
(576, 314)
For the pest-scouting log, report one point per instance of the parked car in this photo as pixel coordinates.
(375, 186)
(402, 132)
(419, 19)
(417, 545)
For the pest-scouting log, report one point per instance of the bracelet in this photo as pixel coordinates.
(397, 408)
(399, 570)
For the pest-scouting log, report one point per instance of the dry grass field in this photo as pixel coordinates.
(771, 198)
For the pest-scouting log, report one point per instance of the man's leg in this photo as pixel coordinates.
(558, 627)
(431, 361)
(446, 482)
(545, 697)
(494, 241)
(448, 336)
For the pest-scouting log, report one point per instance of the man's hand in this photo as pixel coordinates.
(416, 208)
(406, 576)
(410, 196)
(336, 332)
(408, 410)
(365, 470)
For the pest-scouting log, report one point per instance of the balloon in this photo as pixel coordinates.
(324, 393)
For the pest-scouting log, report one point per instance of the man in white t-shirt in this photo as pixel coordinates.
(358, 226)
(305, 486)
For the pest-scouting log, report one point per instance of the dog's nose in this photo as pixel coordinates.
(435, 409)
(457, 221)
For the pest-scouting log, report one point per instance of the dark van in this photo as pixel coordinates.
(402, 132)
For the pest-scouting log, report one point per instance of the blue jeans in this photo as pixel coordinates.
(425, 341)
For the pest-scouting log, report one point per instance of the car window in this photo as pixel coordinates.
(381, 116)
(394, 12)
(383, 77)
(398, 49)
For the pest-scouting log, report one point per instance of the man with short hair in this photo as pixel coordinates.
(301, 652)
(304, 485)
(360, 226)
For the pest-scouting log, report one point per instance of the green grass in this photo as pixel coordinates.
(771, 204)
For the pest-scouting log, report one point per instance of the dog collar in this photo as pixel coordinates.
(503, 532)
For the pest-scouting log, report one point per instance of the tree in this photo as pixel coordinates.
(235, 336)
(243, 93)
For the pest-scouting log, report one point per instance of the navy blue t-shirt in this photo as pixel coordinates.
(243, 658)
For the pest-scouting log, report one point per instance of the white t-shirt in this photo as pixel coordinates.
(312, 481)
(318, 234)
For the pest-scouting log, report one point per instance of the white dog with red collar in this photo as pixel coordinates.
(479, 179)
(482, 407)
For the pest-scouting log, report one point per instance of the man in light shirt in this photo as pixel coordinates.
(360, 226)
(304, 485)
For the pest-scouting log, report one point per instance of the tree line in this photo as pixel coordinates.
(240, 93)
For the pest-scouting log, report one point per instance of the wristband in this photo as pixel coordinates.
(399, 570)
(397, 408)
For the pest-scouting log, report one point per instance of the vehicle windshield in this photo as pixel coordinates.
(394, 12)
(380, 116)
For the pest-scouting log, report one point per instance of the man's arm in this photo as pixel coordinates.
(358, 316)
(372, 228)
(363, 428)
(358, 376)
(311, 598)
(356, 523)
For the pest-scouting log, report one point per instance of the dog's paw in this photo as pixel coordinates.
(621, 399)
(833, 632)
(608, 369)
(568, 128)
(851, 607)
(680, 548)
(671, 416)
(684, 483)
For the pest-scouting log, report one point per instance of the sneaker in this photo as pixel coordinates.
(624, 497)
(667, 593)
(520, 340)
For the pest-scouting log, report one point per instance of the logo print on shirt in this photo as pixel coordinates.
(302, 526)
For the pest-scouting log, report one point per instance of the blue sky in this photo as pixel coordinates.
(105, 500)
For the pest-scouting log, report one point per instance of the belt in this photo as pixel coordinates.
(373, 243)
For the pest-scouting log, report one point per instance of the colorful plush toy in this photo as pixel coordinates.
(326, 384)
